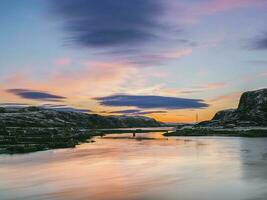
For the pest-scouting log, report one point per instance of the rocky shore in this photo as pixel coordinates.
(31, 129)
(25, 140)
(213, 131)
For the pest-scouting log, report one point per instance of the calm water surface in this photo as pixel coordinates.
(118, 167)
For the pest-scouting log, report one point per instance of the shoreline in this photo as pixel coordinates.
(20, 140)
(252, 132)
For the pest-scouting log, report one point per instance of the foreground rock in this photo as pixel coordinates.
(24, 140)
(248, 120)
(251, 111)
(32, 129)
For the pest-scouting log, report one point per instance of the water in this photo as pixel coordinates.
(118, 167)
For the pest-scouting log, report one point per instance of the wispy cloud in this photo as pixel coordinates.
(156, 58)
(145, 102)
(63, 61)
(65, 108)
(225, 5)
(203, 88)
(137, 112)
(263, 73)
(260, 42)
(258, 62)
(194, 10)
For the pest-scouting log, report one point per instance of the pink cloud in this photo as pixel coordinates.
(263, 74)
(190, 13)
(203, 88)
(253, 77)
(202, 72)
(160, 57)
(224, 5)
(159, 74)
(63, 61)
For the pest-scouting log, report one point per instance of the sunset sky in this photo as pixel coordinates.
(167, 59)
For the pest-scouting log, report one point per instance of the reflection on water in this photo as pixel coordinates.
(140, 169)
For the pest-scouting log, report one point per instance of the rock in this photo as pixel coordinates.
(225, 115)
(251, 111)
(253, 107)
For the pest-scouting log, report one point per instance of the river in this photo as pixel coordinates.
(148, 167)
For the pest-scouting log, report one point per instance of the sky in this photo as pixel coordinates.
(166, 59)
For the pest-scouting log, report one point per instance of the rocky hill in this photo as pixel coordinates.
(251, 111)
(40, 117)
(32, 129)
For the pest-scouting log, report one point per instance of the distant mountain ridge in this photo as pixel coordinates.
(41, 117)
(251, 111)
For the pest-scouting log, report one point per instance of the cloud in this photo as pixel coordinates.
(147, 102)
(136, 112)
(68, 109)
(203, 88)
(260, 43)
(192, 11)
(139, 31)
(152, 112)
(63, 61)
(224, 5)
(35, 95)
(263, 73)
(130, 111)
(258, 62)
(208, 7)
(105, 23)
(159, 57)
